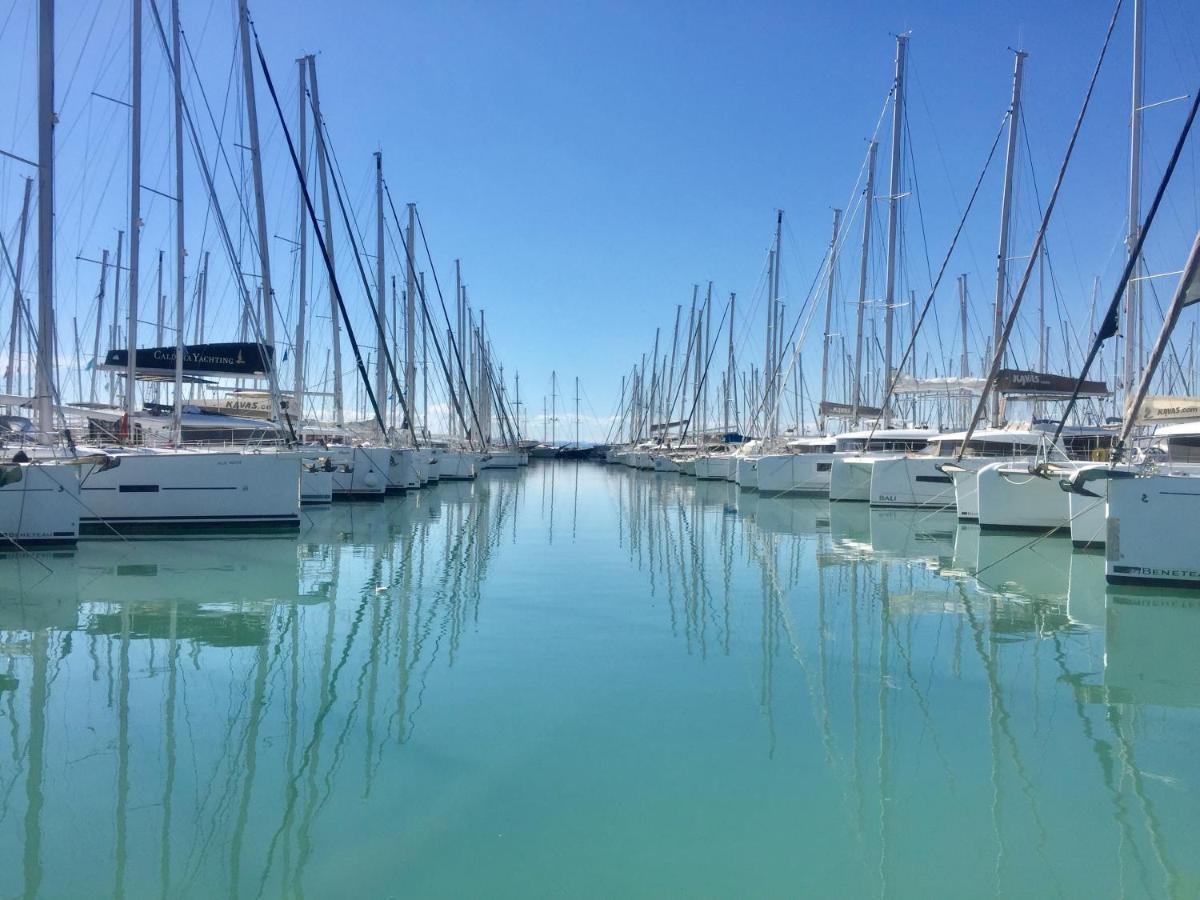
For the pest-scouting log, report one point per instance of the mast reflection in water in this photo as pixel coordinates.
(580, 679)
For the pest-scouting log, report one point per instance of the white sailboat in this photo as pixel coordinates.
(39, 495)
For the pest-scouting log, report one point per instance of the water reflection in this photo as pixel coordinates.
(936, 665)
(909, 706)
(219, 692)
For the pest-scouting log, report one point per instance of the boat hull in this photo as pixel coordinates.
(316, 483)
(794, 473)
(500, 459)
(1088, 516)
(912, 481)
(1152, 522)
(1011, 498)
(666, 465)
(850, 478)
(747, 473)
(39, 506)
(173, 492)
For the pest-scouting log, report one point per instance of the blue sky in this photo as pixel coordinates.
(590, 162)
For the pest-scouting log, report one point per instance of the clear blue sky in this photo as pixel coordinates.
(590, 162)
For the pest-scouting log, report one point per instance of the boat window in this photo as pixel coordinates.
(1184, 448)
(1093, 447)
(851, 445)
(906, 445)
(941, 448)
(987, 447)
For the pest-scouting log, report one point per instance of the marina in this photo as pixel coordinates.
(449, 470)
(844, 700)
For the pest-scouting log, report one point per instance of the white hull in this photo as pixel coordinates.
(912, 481)
(690, 467)
(39, 505)
(429, 465)
(1152, 522)
(316, 484)
(715, 468)
(457, 465)
(402, 471)
(966, 484)
(966, 494)
(500, 459)
(1009, 497)
(1088, 516)
(794, 473)
(158, 491)
(666, 464)
(360, 472)
(850, 478)
(747, 473)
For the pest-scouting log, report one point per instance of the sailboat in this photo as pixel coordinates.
(39, 493)
(1153, 512)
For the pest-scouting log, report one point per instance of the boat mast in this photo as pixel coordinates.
(703, 358)
(730, 372)
(424, 359)
(302, 315)
(410, 318)
(868, 204)
(889, 296)
(99, 317)
(554, 407)
(667, 402)
(576, 412)
(1133, 290)
(18, 301)
(833, 247)
(339, 413)
(458, 313)
(46, 119)
(176, 63)
(381, 390)
(260, 204)
(777, 345)
(135, 211)
(1014, 115)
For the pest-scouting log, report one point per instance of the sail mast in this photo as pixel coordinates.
(1014, 114)
(18, 301)
(833, 248)
(260, 204)
(410, 318)
(339, 410)
(135, 210)
(868, 205)
(1133, 290)
(381, 390)
(302, 314)
(46, 118)
(893, 218)
(177, 429)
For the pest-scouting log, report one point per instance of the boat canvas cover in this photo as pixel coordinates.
(1169, 409)
(834, 410)
(1044, 384)
(906, 384)
(240, 360)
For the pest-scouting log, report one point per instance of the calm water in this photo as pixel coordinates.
(589, 681)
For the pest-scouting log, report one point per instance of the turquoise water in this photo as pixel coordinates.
(588, 681)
